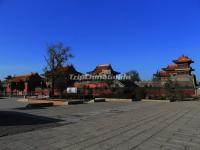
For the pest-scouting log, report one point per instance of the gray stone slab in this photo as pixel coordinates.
(110, 125)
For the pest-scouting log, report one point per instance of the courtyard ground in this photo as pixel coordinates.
(110, 125)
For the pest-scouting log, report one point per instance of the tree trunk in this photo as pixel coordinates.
(52, 87)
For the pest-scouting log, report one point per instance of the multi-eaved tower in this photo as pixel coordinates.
(181, 67)
(180, 73)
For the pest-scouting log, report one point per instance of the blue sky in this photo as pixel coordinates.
(142, 35)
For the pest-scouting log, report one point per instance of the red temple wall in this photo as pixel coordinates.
(162, 92)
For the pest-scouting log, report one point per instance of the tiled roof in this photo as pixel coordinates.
(22, 77)
(68, 69)
(162, 74)
(100, 68)
(183, 59)
(171, 67)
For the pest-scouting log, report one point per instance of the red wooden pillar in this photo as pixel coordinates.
(26, 90)
(8, 88)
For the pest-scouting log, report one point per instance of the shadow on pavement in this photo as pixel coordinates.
(12, 122)
(12, 118)
(27, 108)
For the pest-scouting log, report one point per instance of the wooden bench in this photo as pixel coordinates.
(39, 105)
(75, 102)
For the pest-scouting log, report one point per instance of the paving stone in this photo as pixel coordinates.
(112, 125)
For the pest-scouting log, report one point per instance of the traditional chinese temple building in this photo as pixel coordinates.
(98, 86)
(181, 66)
(23, 84)
(180, 73)
(62, 78)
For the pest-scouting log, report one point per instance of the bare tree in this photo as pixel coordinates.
(1, 87)
(57, 56)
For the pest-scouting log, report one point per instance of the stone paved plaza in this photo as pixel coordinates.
(104, 126)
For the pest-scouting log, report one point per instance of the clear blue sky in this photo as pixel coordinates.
(143, 35)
